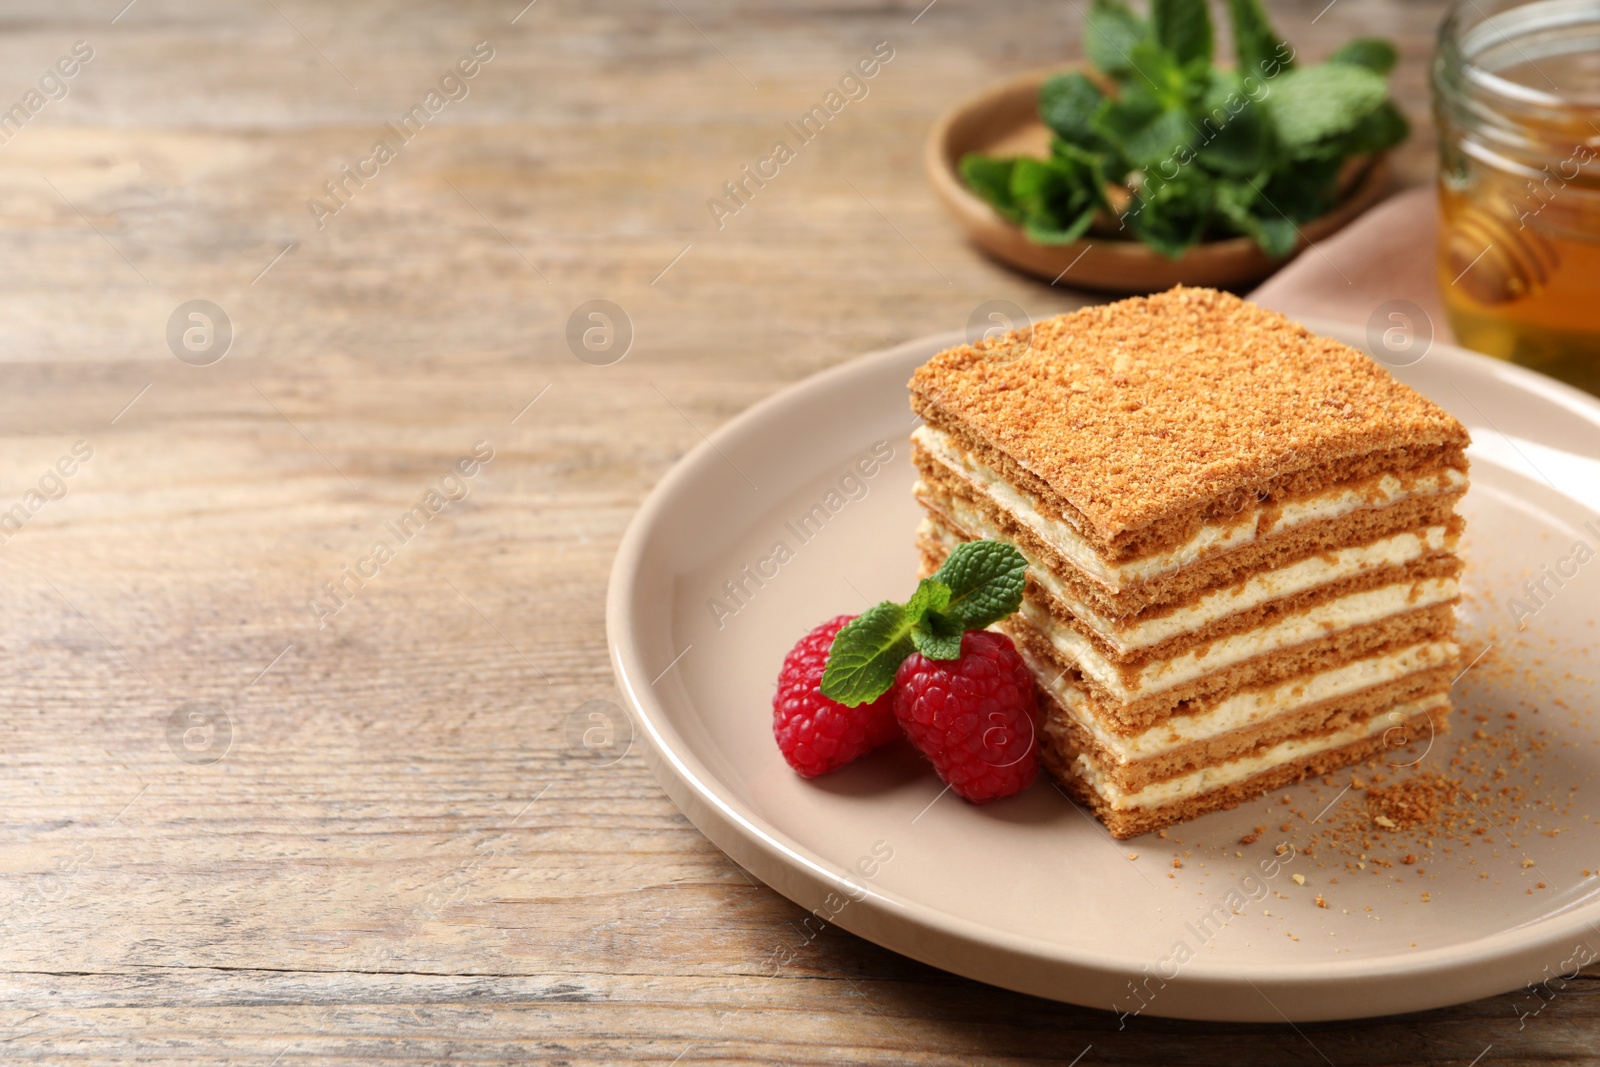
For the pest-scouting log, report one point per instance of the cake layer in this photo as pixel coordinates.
(962, 508)
(1148, 418)
(1168, 631)
(1127, 683)
(1242, 710)
(1256, 521)
(1230, 784)
(1324, 651)
(1074, 725)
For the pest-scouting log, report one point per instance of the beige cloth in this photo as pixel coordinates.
(1387, 254)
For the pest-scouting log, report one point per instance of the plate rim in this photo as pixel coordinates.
(742, 834)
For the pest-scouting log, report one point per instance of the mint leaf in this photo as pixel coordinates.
(1067, 104)
(932, 596)
(1383, 129)
(1314, 103)
(1304, 189)
(1057, 230)
(1082, 195)
(1239, 204)
(1058, 197)
(1121, 119)
(1233, 135)
(1183, 27)
(933, 634)
(1258, 50)
(939, 637)
(1277, 236)
(986, 579)
(1159, 143)
(1172, 214)
(937, 647)
(1158, 78)
(865, 655)
(1372, 53)
(1037, 185)
(1054, 199)
(1111, 29)
(990, 178)
(1087, 166)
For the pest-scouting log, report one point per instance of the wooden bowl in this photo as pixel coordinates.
(1004, 120)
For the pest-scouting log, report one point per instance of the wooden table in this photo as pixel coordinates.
(239, 828)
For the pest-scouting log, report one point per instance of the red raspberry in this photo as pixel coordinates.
(972, 716)
(815, 734)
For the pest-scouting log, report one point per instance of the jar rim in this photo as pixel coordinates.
(1456, 31)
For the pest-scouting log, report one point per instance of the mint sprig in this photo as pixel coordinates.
(980, 583)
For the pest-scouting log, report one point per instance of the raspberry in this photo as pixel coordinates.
(972, 716)
(815, 734)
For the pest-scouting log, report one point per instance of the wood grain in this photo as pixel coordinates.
(402, 856)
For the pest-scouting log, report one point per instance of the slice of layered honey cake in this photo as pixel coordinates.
(1240, 537)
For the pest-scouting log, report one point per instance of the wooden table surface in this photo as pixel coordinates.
(239, 828)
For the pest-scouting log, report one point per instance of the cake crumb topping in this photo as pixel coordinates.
(1140, 410)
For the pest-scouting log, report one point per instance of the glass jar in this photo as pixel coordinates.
(1516, 97)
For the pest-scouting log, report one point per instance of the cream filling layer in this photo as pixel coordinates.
(1220, 775)
(1242, 709)
(1218, 604)
(1208, 540)
(1342, 613)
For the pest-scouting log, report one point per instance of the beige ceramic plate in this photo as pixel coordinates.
(1003, 120)
(1030, 893)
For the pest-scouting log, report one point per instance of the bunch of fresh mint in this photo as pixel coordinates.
(1200, 152)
